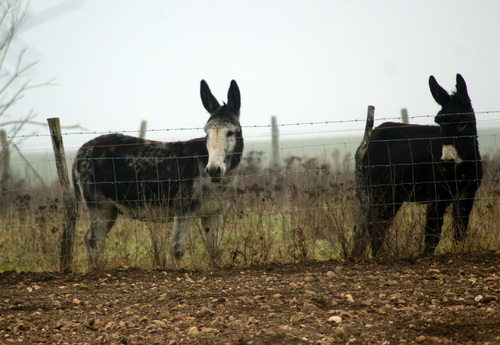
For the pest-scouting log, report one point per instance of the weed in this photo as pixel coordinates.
(307, 210)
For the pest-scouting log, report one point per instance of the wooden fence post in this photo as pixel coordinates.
(5, 171)
(70, 205)
(142, 131)
(5, 159)
(275, 158)
(361, 151)
(404, 115)
(361, 238)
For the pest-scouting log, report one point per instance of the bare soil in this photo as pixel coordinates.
(441, 299)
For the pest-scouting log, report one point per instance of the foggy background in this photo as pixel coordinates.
(117, 63)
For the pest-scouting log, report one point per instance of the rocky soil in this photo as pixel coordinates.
(441, 299)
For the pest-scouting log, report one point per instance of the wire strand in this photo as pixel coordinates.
(292, 124)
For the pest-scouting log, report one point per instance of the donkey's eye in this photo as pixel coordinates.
(229, 134)
(461, 126)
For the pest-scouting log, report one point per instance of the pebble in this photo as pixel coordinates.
(420, 338)
(193, 330)
(209, 330)
(309, 308)
(204, 311)
(335, 319)
(159, 323)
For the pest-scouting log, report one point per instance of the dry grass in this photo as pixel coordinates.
(308, 210)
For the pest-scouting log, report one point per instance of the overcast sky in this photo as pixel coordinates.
(118, 62)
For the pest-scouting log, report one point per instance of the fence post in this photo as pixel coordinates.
(361, 237)
(70, 205)
(142, 131)
(5, 171)
(275, 158)
(404, 115)
(361, 151)
(5, 159)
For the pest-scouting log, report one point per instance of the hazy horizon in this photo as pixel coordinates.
(117, 63)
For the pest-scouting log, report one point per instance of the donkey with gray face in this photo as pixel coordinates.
(162, 181)
(435, 165)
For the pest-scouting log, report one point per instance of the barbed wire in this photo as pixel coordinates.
(292, 124)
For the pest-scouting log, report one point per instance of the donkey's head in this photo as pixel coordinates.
(224, 137)
(457, 121)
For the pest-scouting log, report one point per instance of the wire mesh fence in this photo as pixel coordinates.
(307, 209)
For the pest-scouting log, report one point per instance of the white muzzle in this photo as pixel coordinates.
(450, 154)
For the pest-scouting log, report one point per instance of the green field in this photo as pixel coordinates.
(306, 211)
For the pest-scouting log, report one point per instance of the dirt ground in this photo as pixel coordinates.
(441, 299)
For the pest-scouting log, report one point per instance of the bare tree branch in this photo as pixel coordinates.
(15, 82)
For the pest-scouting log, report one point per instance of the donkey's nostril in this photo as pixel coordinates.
(214, 171)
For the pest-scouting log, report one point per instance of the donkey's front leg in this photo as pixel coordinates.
(178, 239)
(435, 213)
(211, 230)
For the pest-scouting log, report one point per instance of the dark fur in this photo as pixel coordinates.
(403, 163)
(134, 172)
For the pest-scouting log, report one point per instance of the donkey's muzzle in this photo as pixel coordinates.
(450, 154)
(215, 173)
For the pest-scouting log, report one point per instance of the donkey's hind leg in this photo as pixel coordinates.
(374, 222)
(461, 213)
(102, 219)
(211, 230)
(435, 213)
(381, 217)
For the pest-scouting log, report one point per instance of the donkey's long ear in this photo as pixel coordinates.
(234, 98)
(440, 95)
(462, 89)
(209, 101)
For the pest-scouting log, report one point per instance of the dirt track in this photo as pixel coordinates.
(451, 299)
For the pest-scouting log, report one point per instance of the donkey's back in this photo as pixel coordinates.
(132, 172)
(405, 157)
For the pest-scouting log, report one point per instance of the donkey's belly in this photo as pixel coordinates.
(426, 192)
(206, 199)
(148, 213)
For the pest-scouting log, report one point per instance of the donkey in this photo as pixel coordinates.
(162, 181)
(436, 165)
